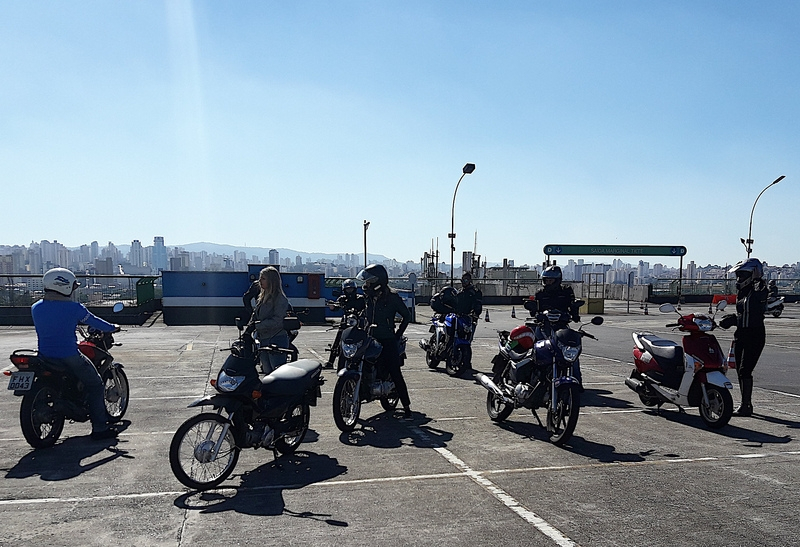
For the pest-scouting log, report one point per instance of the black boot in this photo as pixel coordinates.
(746, 408)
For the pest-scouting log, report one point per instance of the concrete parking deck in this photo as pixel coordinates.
(449, 476)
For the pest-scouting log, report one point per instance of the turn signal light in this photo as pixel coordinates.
(7, 372)
(256, 395)
(213, 382)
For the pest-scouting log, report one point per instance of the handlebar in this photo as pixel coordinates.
(673, 325)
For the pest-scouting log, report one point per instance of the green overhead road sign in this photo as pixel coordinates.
(615, 250)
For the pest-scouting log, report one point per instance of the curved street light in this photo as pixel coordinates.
(366, 226)
(468, 168)
(748, 243)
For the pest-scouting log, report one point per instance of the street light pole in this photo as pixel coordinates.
(366, 225)
(468, 168)
(748, 243)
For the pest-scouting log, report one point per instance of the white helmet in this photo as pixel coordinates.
(60, 280)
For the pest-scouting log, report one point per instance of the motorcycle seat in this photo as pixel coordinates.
(292, 378)
(662, 349)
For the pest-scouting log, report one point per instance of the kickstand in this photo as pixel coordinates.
(533, 411)
(680, 410)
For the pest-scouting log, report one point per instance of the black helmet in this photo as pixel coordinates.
(466, 279)
(552, 273)
(374, 277)
(349, 287)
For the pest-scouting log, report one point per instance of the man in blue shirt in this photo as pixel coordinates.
(55, 317)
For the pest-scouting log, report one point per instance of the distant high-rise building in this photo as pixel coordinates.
(137, 254)
(95, 252)
(298, 260)
(159, 254)
(274, 257)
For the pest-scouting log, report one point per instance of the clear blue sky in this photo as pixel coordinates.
(286, 124)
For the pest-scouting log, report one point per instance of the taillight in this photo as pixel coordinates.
(21, 361)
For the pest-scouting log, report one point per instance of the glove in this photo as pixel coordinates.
(728, 320)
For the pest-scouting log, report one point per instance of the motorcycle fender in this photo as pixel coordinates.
(432, 329)
(564, 380)
(230, 404)
(716, 378)
(347, 373)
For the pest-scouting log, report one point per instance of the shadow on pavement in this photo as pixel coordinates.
(387, 430)
(261, 490)
(732, 429)
(64, 460)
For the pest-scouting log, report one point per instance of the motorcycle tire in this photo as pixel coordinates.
(562, 422)
(289, 443)
(116, 392)
(720, 409)
(346, 408)
(777, 313)
(390, 403)
(458, 363)
(497, 409)
(41, 424)
(430, 360)
(191, 452)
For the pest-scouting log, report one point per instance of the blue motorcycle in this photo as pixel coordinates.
(451, 342)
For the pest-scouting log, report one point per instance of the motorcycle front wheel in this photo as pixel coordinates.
(497, 409)
(346, 407)
(719, 410)
(116, 392)
(459, 360)
(562, 422)
(777, 313)
(430, 360)
(290, 442)
(41, 424)
(193, 455)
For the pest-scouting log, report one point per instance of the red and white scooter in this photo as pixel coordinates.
(688, 375)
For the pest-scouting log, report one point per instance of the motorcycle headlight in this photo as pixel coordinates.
(227, 383)
(349, 350)
(570, 353)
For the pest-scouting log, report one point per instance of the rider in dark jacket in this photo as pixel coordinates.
(555, 296)
(750, 335)
(469, 300)
(382, 305)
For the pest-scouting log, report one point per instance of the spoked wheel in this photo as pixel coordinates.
(200, 456)
(346, 406)
(389, 403)
(497, 409)
(561, 423)
(431, 361)
(116, 392)
(41, 424)
(459, 360)
(288, 444)
(719, 410)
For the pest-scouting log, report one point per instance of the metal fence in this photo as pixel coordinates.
(96, 290)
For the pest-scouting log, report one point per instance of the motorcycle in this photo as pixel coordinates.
(271, 412)
(774, 306)
(362, 379)
(349, 318)
(539, 376)
(691, 374)
(51, 394)
(450, 342)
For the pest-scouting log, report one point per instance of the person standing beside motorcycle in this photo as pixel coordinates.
(469, 300)
(271, 308)
(251, 296)
(349, 302)
(750, 335)
(382, 304)
(773, 289)
(555, 296)
(55, 318)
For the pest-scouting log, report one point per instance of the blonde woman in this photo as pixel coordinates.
(271, 308)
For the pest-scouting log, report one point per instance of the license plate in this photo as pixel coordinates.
(21, 381)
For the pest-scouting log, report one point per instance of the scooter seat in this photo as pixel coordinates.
(292, 378)
(662, 349)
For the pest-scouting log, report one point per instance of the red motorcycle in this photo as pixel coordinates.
(687, 375)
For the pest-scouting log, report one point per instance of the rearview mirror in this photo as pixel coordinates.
(721, 305)
(666, 308)
(597, 320)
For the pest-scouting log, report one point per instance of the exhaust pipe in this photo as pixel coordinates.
(634, 384)
(491, 386)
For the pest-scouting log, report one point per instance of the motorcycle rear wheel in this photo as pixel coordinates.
(116, 393)
(191, 453)
(346, 407)
(777, 313)
(459, 360)
(720, 409)
(496, 408)
(562, 422)
(289, 443)
(41, 424)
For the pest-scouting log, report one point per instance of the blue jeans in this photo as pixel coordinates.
(83, 369)
(271, 360)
